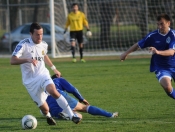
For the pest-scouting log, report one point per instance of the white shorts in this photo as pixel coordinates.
(37, 89)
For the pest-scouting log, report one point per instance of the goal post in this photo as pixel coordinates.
(115, 24)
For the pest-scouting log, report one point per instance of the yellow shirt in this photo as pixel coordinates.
(76, 21)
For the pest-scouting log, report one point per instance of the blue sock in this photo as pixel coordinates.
(97, 111)
(172, 94)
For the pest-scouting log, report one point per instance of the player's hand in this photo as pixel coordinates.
(57, 73)
(153, 50)
(33, 61)
(123, 57)
(85, 102)
(88, 33)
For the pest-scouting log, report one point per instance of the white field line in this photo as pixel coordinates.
(131, 122)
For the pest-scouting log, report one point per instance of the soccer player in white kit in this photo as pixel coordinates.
(31, 55)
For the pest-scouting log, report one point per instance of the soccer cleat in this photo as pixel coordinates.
(51, 121)
(76, 120)
(115, 115)
(74, 60)
(64, 116)
(82, 60)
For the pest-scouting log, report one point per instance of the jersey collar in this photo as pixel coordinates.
(31, 41)
(164, 34)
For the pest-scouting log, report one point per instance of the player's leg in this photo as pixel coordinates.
(80, 43)
(165, 82)
(39, 97)
(164, 78)
(45, 111)
(93, 110)
(73, 43)
(49, 86)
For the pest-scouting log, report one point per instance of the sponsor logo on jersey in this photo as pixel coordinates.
(38, 58)
(43, 52)
(168, 40)
(157, 41)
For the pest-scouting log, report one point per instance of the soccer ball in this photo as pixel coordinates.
(88, 33)
(29, 122)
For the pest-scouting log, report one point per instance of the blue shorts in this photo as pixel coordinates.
(170, 73)
(71, 101)
(55, 109)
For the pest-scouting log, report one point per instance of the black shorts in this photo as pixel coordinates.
(76, 35)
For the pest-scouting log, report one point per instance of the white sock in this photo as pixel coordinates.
(47, 115)
(62, 102)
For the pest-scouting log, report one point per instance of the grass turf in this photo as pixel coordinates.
(127, 87)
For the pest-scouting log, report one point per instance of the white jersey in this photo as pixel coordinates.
(28, 49)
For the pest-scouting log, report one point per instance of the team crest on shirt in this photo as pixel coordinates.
(168, 40)
(43, 52)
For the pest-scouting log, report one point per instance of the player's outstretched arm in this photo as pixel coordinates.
(68, 87)
(50, 64)
(130, 50)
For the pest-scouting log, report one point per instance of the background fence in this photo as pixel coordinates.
(115, 24)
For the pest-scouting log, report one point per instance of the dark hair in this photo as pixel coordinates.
(74, 4)
(164, 16)
(33, 26)
(54, 76)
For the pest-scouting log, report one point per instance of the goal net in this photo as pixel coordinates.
(115, 24)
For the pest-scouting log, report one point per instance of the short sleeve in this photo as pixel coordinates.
(146, 41)
(18, 50)
(172, 42)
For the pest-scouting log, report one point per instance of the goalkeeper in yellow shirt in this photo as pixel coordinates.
(76, 20)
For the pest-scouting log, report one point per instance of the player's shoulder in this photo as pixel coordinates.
(150, 34)
(172, 31)
(153, 32)
(24, 41)
(44, 42)
(82, 13)
(71, 13)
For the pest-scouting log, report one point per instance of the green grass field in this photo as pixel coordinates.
(127, 87)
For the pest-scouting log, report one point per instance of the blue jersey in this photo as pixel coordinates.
(160, 42)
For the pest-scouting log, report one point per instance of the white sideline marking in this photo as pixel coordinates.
(130, 122)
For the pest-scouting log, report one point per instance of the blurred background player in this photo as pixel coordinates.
(63, 86)
(31, 55)
(161, 43)
(76, 20)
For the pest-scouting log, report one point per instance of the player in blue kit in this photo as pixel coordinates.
(63, 86)
(161, 43)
